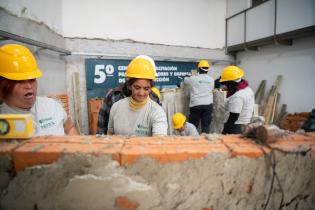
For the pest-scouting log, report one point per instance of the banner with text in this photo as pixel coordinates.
(104, 74)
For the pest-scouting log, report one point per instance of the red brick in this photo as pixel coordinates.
(167, 140)
(251, 152)
(124, 203)
(31, 153)
(79, 139)
(7, 147)
(240, 146)
(169, 153)
(236, 139)
(295, 143)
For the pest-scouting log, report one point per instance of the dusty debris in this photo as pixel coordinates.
(214, 136)
(264, 134)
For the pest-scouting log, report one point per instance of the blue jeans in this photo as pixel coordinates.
(201, 113)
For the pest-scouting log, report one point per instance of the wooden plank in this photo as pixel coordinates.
(77, 100)
(274, 107)
(259, 95)
(267, 109)
(278, 82)
(282, 114)
(271, 102)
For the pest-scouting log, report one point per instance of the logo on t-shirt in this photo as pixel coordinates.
(46, 122)
(142, 130)
(203, 82)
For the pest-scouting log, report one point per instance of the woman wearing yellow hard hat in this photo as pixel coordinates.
(182, 127)
(114, 95)
(241, 99)
(18, 74)
(138, 114)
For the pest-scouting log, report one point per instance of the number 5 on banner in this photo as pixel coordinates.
(100, 74)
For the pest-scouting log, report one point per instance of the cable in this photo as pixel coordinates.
(272, 161)
(273, 165)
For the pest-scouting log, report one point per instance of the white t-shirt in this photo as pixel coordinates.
(200, 89)
(48, 116)
(242, 102)
(189, 130)
(147, 121)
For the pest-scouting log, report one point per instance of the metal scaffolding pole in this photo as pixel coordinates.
(26, 40)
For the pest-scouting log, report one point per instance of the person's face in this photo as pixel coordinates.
(140, 90)
(23, 95)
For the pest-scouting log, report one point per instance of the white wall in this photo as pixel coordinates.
(49, 11)
(235, 6)
(260, 21)
(295, 14)
(296, 63)
(195, 23)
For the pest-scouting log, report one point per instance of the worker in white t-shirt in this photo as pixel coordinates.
(137, 114)
(240, 99)
(182, 127)
(18, 89)
(200, 88)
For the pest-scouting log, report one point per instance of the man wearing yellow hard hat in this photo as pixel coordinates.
(138, 114)
(240, 99)
(182, 127)
(115, 95)
(201, 98)
(18, 91)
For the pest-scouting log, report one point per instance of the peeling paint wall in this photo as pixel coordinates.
(49, 13)
(50, 63)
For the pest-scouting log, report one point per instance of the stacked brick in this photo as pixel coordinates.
(294, 122)
(94, 108)
(64, 99)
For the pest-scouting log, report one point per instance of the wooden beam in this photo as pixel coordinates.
(77, 100)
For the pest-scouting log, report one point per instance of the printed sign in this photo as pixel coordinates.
(104, 74)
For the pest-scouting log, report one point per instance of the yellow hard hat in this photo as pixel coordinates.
(203, 64)
(231, 73)
(178, 120)
(141, 67)
(18, 63)
(156, 91)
